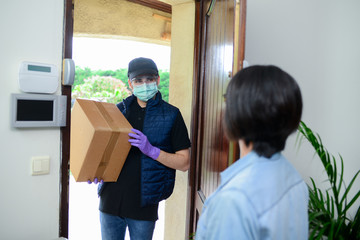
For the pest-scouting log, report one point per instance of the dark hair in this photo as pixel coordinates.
(263, 106)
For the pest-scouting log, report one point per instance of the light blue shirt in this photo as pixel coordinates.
(258, 198)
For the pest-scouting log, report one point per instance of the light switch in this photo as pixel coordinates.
(40, 165)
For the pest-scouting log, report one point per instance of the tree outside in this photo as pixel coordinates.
(101, 88)
(109, 85)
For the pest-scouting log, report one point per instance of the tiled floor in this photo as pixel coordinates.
(84, 214)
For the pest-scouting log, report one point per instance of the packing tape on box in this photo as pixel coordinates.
(111, 144)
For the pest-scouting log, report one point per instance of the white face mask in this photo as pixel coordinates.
(145, 91)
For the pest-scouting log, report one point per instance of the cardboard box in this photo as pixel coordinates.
(98, 141)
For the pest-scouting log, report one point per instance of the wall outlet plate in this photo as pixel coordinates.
(40, 165)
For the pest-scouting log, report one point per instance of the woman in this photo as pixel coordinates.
(261, 196)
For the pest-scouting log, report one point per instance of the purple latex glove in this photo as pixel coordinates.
(96, 181)
(138, 139)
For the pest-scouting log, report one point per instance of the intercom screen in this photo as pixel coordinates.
(34, 110)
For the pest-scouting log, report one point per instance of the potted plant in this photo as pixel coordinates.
(328, 209)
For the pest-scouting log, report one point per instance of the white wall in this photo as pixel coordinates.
(29, 205)
(318, 43)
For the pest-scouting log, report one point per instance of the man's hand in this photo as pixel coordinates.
(138, 139)
(96, 181)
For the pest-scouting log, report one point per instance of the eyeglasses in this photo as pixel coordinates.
(143, 79)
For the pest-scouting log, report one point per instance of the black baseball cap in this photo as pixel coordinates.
(141, 66)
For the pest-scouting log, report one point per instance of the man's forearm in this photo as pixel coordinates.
(179, 160)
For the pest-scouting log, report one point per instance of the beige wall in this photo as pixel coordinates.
(180, 95)
(119, 19)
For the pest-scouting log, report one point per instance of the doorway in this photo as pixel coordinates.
(106, 58)
(182, 56)
(149, 27)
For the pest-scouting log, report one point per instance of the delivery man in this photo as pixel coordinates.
(160, 146)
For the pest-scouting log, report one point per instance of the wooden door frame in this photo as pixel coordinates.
(65, 131)
(194, 128)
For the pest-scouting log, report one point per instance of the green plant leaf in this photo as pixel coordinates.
(323, 221)
(354, 226)
(346, 193)
(339, 228)
(341, 174)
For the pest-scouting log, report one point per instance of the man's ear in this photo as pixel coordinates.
(158, 80)
(130, 85)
